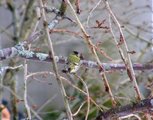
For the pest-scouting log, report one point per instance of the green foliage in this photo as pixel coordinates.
(73, 58)
(108, 103)
(52, 115)
(93, 113)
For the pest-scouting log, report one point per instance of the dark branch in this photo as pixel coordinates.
(145, 105)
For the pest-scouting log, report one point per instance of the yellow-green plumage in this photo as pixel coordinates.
(73, 63)
(73, 58)
(73, 67)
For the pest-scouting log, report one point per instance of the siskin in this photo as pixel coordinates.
(73, 63)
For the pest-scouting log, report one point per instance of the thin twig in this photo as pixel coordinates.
(25, 92)
(91, 46)
(88, 18)
(74, 114)
(44, 105)
(128, 117)
(77, 4)
(68, 110)
(70, 83)
(128, 63)
(138, 36)
(88, 96)
(66, 31)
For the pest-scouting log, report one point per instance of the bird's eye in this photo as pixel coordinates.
(64, 71)
(69, 69)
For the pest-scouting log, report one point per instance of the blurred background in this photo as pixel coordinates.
(17, 20)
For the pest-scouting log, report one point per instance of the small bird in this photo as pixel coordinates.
(73, 63)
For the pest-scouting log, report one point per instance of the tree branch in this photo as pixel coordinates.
(8, 53)
(145, 105)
